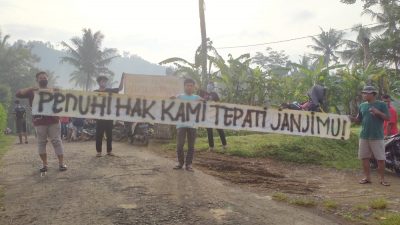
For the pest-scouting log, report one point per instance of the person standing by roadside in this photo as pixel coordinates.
(390, 127)
(20, 121)
(372, 113)
(47, 127)
(211, 95)
(184, 131)
(105, 126)
(64, 127)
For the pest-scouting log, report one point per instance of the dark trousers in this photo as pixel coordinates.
(182, 133)
(104, 126)
(210, 136)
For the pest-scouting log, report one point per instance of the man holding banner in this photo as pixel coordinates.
(372, 113)
(188, 131)
(105, 126)
(47, 127)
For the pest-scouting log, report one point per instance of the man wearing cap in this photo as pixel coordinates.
(372, 113)
(390, 127)
(105, 126)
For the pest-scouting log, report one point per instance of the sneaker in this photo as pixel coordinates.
(98, 154)
(43, 169)
(62, 167)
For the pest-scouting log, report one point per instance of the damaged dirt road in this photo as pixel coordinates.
(138, 186)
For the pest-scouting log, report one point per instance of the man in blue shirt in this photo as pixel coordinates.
(186, 130)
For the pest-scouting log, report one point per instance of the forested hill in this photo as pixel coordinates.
(50, 60)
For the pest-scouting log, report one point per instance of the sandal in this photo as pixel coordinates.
(364, 181)
(62, 167)
(385, 183)
(43, 169)
(98, 154)
(110, 154)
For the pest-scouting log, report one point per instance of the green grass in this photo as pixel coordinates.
(310, 150)
(379, 203)
(5, 143)
(330, 204)
(280, 197)
(361, 207)
(393, 219)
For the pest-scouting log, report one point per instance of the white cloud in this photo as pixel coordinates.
(158, 29)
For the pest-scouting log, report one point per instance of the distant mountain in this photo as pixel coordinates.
(50, 60)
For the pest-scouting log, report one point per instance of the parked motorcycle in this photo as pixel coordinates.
(141, 133)
(89, 131)
(392, 150)
(121, 130)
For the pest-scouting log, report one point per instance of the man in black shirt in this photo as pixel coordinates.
(105, 126)
(20, 121)
(211, 95)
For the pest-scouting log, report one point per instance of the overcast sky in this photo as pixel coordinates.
(159, 29)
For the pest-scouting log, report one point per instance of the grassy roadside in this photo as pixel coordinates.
(5, 144)
(309, 150)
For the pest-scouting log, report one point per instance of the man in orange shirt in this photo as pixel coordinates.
(390, 127)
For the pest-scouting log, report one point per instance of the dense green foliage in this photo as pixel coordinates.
(343, 66)
(3, 119)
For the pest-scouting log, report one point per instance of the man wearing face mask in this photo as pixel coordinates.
(47, 127)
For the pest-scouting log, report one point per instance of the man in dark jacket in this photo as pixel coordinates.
(105, 126)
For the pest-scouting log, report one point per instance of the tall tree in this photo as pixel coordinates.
(272, 61)
(194, 70)
(328, 43)
(389, 22)
(358, 51)
(89, 59)
(203, 42)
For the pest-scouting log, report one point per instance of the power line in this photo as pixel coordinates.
(292, 39)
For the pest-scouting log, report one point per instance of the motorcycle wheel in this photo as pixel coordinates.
(117, 134)
(373, 164)
(146, 141)
(397, 169)
(131, 139)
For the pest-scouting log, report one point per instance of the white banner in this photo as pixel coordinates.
(107, 106)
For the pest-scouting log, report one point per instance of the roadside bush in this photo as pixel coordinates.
(3, 119)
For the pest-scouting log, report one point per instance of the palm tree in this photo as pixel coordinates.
(358, 51)
(328, 43)
(3, 40)
(203, 48)
(389, 20)
(194, 70)
(89, 59)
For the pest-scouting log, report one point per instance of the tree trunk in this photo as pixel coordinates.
(367, 54)
(87, 82)
(203, 44)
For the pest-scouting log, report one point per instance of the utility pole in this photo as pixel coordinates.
(203, 44)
